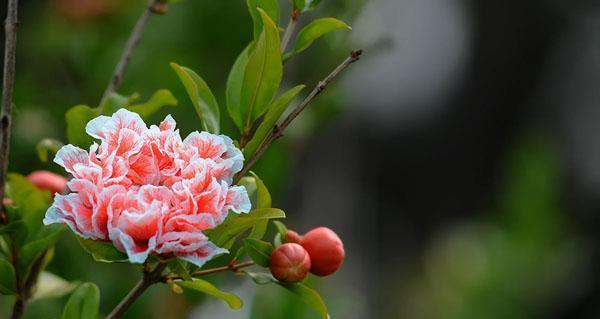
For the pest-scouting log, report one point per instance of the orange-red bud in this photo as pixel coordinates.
(48, 181)
(289, 263)
(325, 249)
(292, 237)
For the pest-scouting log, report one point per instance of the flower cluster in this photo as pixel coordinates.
(149, 191)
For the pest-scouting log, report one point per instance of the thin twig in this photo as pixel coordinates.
(8, 82)
(19, 306)
(204, 272)
(277, 130)
(132, 42)
(289, 30)
(148, 279)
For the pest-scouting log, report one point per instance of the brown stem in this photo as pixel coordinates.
(148, 279)
(204, 272)
(289, 30)
(8, 82)
(132, 42)
(277, 130)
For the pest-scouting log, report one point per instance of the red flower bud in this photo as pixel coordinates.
(325, 249)
(48, 181)
(289, 263)
(292, 237)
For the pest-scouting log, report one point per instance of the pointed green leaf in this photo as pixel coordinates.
(308, 295)
(37, 245)
(281, 228)
(30, 202)
(159, 99)
(77, 118)
(7, 278)
(177, 266)
(311, 5)
(84, 303)
(260, 251)
(274, 112)
(102, 251)
(298, 4)
(233, 301)
(202, 97)
(237, 224)
(315, 30)
(233, 90)
(113, 103)
(271, 7)
(46, 146)
(263, 73)
(52, 286)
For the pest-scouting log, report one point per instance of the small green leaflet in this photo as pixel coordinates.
(302, 291)
(315, 30)
(203, 100)
(224, 234)
(158, 100)
(203, 286)
(102, 251)
(260, 251)
(83, 303)
(7, 277)
(263, 73)
(271, 7)
(274, 112)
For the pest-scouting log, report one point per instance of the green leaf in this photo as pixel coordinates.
(77, 118)
(30, 202)
(274, 112)
(233, 301)
(263, 200)
(271, 8)
(308, 295)
(7, 278)
(260, 251)
(159, 99)
(281, 228)
(177, 266)
(37, 245)
(233, 89)
(113, 103)
(102, 251)
(237, 224)
(298, 4)
(83, 303)
(46, 146)
(52, 286)
(315, 30)
(263, 73)
(202, 98)
(13, 227)
(311, 5)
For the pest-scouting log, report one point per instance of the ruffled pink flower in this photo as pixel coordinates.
(147, 190)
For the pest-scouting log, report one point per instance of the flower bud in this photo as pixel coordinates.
(292, 237)
(325, 249)
(289, 263)
(48, 181)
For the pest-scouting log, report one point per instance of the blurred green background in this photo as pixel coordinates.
(458, 160)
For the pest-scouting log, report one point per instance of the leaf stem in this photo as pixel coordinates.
(149, 278)
(11, 25)
(132, 43)
(277, 130)
(289, 30)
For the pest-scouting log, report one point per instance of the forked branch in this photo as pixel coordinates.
(277, 130)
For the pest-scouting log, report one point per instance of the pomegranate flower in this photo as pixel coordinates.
(147, 190)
